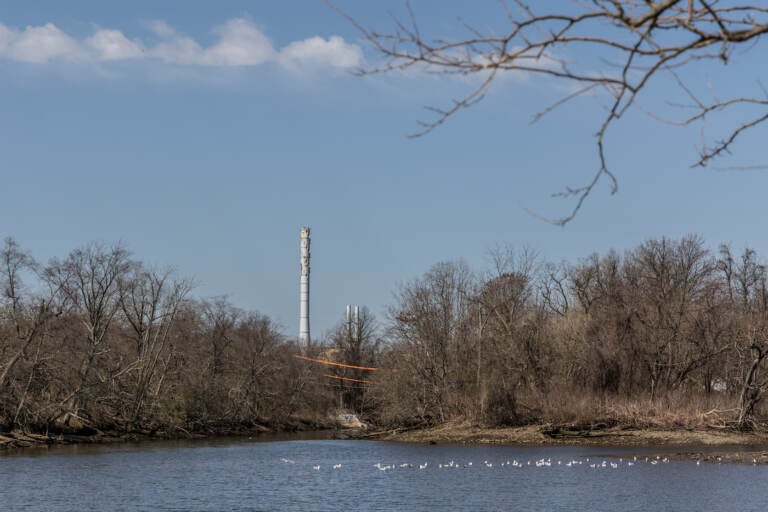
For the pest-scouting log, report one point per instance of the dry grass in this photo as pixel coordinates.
(678, 409)
(462, 433)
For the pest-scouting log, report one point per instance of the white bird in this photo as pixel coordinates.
(317, 468)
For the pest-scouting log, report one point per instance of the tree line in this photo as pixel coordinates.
(99, 341)
(667, 333)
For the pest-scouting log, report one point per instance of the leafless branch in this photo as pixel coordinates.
(643, 39)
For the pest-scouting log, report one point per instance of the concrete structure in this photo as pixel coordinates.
(356, 323)
(349, 322)
(304, 289)
(353, 324)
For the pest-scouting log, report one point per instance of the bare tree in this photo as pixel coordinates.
(429, 322)
(357, 346)
(150, 302)
(746, 279)
(666, 279)
(509, 351)
(14, 261)
(262, 367)
(89, 282)
(27, 319)
(221, 319)
(607, 345)
(636, 43)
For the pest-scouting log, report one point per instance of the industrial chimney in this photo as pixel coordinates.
(304, 289)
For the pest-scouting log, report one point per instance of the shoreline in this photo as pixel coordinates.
(709, 445)
(548, 435)
(20, 440)
(702, 444)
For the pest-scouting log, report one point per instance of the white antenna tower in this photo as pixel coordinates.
(304, 289)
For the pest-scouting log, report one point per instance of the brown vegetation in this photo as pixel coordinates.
(100, 344)
(667, 336)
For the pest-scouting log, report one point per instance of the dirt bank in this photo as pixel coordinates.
(22, 439)
(711, 445)
(567, 435)
(706, 445)
(18, 439)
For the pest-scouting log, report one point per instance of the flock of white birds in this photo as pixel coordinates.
(589, 463)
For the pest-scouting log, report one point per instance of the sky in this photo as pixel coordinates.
(203, 135)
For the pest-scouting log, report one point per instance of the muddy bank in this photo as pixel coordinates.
(568, 435)
(18, 439)
(706, 445)
(22, 439)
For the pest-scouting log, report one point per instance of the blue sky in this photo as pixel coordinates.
(147, 123)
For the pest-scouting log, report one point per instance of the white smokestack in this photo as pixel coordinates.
(349, 323)
(304, 289)
(357, 324)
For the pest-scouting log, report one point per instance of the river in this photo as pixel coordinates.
(243, 475)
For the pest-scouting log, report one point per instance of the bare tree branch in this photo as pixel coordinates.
(644, 40)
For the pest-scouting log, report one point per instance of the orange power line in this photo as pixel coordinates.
(346, 378)
(331, 363)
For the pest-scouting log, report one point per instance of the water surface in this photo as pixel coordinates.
(241, 475)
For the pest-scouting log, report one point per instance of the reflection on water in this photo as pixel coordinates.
(161, 444)
(312, 474)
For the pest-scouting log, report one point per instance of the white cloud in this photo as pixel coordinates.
(6, 36)
(238, 43)
(160, 28)
(316, 51)
(177, 50)
(113, 45)
(39, 44)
